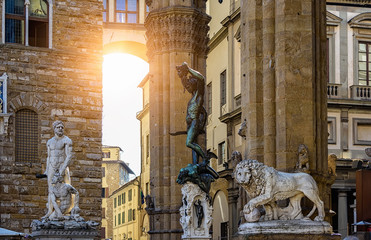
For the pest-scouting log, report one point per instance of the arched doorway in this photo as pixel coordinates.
(220, 216)
(124, 67)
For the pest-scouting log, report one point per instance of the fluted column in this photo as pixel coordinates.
(176, 33)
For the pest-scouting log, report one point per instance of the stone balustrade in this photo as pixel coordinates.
(360, 92)
(333, 90)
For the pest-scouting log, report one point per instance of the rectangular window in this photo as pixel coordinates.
(124, 199)
(223, 88)
(127, 11)
(123, 217)
(130, 193)
(103, 193)
(103, 213)
(115, 203)
(38, 21)
(103, 232)
(105, 12)
(119, 217)
(209, 98)
(147, 147)
(364, 63)
(133, 214)
(115, 220)
(26, 136)
(106, 154)
(119, 200)
(224, 231)
(130, 215)
(221, 153)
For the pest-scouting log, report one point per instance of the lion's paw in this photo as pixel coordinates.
(319, 218)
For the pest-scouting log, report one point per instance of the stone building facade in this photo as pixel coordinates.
(347, 90)
(116, 173)
(51, 52)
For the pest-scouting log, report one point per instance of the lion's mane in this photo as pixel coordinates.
(257, 183)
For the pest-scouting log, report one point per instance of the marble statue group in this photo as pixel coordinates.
(63, 199)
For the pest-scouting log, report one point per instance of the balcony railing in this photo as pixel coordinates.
(333, 90)
(361, 92)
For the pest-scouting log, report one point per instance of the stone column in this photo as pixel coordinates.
(176, 33)
(283, 80)
(343, 214)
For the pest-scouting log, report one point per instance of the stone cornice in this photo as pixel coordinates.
(361, 21)
(177, 29)
(332, 20)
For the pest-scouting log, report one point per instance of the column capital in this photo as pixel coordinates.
(177, 29)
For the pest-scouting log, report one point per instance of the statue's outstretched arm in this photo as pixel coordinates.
(195, 73)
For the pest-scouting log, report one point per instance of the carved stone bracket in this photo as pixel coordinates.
(177, 28)
(196, 212)
(4, 122)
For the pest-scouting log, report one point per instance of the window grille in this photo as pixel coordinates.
(26, 136)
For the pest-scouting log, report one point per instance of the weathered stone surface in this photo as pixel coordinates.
(57, 83)
(176, 33)
(285, 227)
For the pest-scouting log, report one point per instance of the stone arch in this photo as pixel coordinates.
(130, 47)
(362, 20)
(27, 100)
(220, 212)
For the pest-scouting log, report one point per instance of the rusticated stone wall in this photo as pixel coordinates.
(61, 83)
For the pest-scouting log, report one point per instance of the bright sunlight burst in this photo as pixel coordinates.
(122, 99)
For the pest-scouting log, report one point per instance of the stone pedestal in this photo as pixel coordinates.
(196, 213)
(59, 234)
(286, 229)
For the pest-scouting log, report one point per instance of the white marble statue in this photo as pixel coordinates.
(265, 186)
(61, 199)
(59, 156)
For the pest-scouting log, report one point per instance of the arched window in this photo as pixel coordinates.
(26, 136)
(27, 22)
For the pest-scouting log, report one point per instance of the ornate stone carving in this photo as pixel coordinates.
(303, 159)
(243, 129)
(177, 29)
(265, 186)
(196, 212)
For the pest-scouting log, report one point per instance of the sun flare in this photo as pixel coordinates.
(122, 99)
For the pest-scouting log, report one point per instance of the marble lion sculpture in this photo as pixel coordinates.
(265, 186)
